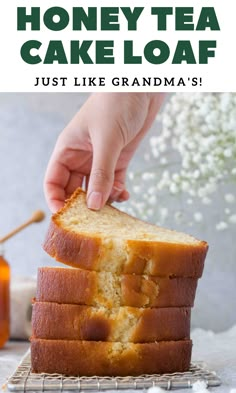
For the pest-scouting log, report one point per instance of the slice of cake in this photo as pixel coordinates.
(110, 240)
(105, 289)
(106, 358)
(122, 324)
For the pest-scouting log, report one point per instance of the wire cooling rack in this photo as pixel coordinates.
(25, 381)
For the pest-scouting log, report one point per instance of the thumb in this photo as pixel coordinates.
(105, 157)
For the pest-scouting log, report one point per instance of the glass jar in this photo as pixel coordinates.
(4, 299)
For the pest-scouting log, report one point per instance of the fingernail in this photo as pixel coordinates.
(118, 189)
(94, 200)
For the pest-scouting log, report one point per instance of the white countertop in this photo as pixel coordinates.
(218, 351)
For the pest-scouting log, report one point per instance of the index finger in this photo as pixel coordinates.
(56, 178)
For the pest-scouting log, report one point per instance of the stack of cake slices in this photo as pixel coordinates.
(123, 308)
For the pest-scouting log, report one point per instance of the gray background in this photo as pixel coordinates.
(29, 126)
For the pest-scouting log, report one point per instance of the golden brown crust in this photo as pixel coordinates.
(165, 259)
(72, 249)
(63, 285)
(124, 324)
(77, 286)
(109, 359)
(151, 291)
(143, 257)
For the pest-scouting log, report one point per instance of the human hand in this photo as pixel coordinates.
(97, 145)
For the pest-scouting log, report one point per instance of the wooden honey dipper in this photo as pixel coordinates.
(37, 216)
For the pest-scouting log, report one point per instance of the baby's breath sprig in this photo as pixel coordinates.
(194, 155)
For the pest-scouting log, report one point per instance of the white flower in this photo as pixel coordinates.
(192, 192)
(162, 147)
(173, 188)
(153, 141)
(202, 192)
(221, 226)
(229, 198)
(131, 175)
(140, 206)
(148, 176)
(137, 189)
(151, 190)
(196, 174)
(163, 161)
(153, 200)
(155, 153)
(206, 201)
(166, 133)
(198, 217)
(184, 185)
(164, 213)
(211, 187)
(176, 177)
(232, 219)
(166, 175)
(228, 152)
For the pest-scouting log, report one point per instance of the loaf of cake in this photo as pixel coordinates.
(123, 306)
(110, 240)
(108, 358)
(122, 324)
(105, 289)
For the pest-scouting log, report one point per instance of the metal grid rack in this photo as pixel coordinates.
(25, 381)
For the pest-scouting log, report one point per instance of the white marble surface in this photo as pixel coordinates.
(217, 350)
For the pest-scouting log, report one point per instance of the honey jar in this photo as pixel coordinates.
(4, 299)
(5, 279)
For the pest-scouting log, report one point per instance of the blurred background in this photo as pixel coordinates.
(161, 192)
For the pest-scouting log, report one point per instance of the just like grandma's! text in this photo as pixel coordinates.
(117, 81)
(108, 19)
